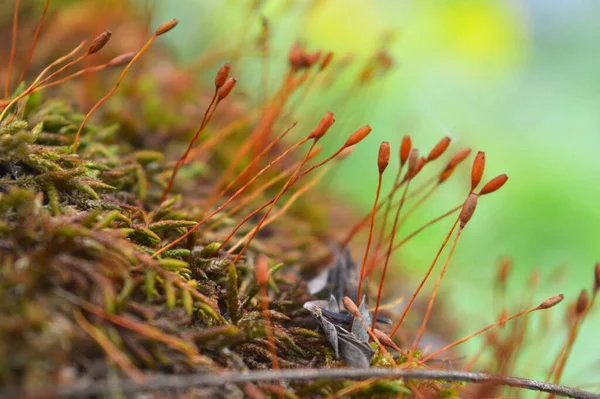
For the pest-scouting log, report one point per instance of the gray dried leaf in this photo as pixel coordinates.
(346, 346)
(353, 352)
(332, 305)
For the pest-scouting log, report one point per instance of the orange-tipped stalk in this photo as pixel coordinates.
(446, 173)
(382, 163)
(412, 299)
(260, 132)
(222, 90)
(362, 223)
(326, 122)
(13, 48)
(97, 44)
(40, 76)
(118, 61)
(410, 173)
(313, 78)
(262, 188)
(548, 303)
(405, 148)
(434, 293)
(231, 198)
(460, 156)
(426, 225)
(354, 139)
(262, 278)
(223, 86)
(164, 28)
(34, 42)
(313, 182)
(465, 216)
(272, 205)
(222, 133)
(240, 190)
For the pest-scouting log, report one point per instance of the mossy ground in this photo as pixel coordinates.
(82, 297)
(85, 294)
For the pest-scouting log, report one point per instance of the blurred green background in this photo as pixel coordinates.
(518, 80)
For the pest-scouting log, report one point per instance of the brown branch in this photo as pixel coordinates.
(220, 379)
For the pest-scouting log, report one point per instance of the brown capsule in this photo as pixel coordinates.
(167, 26)
(494, 184)
(597, 278)
(122, 59)
(326, 61)
(358, 136)
(405, 148)
(445, 175)
(420, 163)
(99, 42)
(226, 88)
(477, 170)
(467, 210)
(384, 339)
(324, 124)
(383, 159)
(550, 302)
(262, 270)
(351, 307)
(413, 160)
(222, 75)
(453, 163)
(460, 156)
(296, 56)
(582, 303)
(439, 148)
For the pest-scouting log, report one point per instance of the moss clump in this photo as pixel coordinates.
(83, 295)
(76, 236)
(106, 271)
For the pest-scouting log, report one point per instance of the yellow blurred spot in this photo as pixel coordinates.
(485, 34)
(346, 26)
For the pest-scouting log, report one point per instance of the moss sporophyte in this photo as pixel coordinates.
(146, 245)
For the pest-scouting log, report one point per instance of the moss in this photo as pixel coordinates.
(101, 279)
